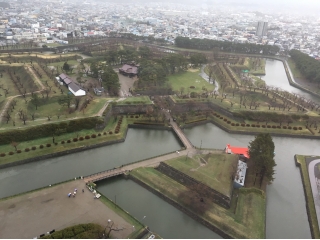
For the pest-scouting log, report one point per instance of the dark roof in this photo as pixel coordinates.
(67, 80)
(129, 69)
(74, 87)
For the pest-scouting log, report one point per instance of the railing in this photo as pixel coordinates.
(106, 176)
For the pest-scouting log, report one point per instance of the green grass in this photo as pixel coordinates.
(135, 100)
(60, 147)
(309, 196)
(50, 107)
(214, 170)
(187, 79)
(248, 222)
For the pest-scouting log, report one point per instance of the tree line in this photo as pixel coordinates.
(308, 66)
(208, 44)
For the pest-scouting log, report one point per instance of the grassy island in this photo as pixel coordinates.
(244, 219)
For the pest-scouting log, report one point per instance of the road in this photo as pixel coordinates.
(315, 191)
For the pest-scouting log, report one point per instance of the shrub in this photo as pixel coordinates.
(237, 124)
(221, 117)
(232, 124)
(131, 116)
(258, 125)
(284, 127)
(242, 124)
(116, 132)
(295, 128)
(18, 151)
(225, 119)
(33, 148)
(278, 126)
(300, 128)
(247, 125)
(263, 126)
(27, 150)
(68, 141)
(99, 134)
(268, 126)
(93, 136)
(253, 125)
(62, 142)
(56, 143)
(2, 155)
(228, 122)
(48, 145)
(81, 138)
(75, 139)
(87, 137)
(104, 133)
(110, 132)
(217, 115)
(273, 126)
(289, 127)
(192, 87)
(137, 117)
(11, 153)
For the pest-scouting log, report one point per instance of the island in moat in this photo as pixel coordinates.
(58, 104)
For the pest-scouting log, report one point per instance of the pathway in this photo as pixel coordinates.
(314, 187)
(206, 77)
(12, 97)
(152, 162)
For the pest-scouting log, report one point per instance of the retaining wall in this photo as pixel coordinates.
(217, 197)
(183, 209)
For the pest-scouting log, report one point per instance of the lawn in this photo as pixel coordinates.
(247, 222)
(187, 79)
(135, 100)
(213, 170)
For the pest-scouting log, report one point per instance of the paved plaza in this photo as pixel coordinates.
(35, 213)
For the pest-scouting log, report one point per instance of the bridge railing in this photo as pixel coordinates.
(107, 176)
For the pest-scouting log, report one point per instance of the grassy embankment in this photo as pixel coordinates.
(257, 127)
(248, 220)
(313, 221)
(211, 169)
(186, 80)
(60, 146)
(106, 135)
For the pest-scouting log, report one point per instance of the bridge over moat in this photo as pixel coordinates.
(152, 162)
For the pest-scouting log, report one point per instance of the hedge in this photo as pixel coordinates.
(46, 130)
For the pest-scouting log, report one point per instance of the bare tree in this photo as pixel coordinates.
(14, 144)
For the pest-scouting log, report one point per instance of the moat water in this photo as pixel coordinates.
(286, 211)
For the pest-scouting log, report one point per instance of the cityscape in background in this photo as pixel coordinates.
(53, 21)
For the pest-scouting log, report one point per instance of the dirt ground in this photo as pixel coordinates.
(126, 83)
(32, 214)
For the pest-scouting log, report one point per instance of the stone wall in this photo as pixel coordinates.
(188, 181)
(191, 214)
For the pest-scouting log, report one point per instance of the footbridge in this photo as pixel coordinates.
(151, 162)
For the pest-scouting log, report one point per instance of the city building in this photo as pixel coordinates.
(262, 29)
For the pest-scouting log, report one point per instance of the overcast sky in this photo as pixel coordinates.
(304, 7)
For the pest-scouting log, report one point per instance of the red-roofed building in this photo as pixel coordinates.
(237, 150)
